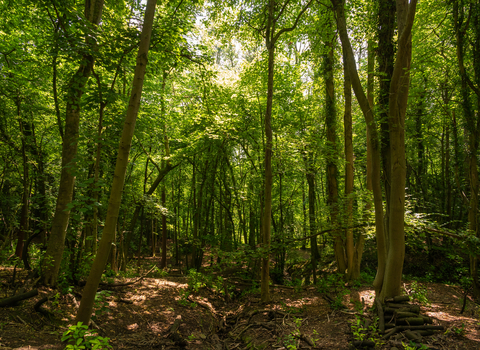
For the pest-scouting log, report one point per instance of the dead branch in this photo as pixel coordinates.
(38, 306)
(16, 298)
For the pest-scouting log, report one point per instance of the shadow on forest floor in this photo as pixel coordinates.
(139, 316)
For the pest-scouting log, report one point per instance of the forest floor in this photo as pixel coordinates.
(140, 316)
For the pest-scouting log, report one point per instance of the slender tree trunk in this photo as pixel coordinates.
(354, 251)
(386, 58)
(271, 36)
(332, 154)
(314, 254)
(367, 110)
(88, 297)
(267, 212)
(56, 242)
(163, 263)
(22, 232)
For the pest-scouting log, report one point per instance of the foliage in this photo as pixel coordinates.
(419, 293)
(291, 341)
(101, 303)
(457, 331)
(195, 281)
(361, 332)
(203, 108)
(413, 346)
(80, 337)
(333, 284)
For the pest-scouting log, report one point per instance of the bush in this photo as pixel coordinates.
(81, 338)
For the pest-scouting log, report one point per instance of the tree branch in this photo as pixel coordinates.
(284, 30)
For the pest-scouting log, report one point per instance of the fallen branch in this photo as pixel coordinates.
(307, 339)
(38, 306)
(203, 304)
(16, 298)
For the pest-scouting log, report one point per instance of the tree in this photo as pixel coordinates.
(472, 119)
(53, 255)
(388, 281)
(90, 290)
(271, 37)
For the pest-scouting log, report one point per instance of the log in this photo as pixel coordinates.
(390, 310)
(381, 317)
(413, 335)
(362, 343)
(427, 319)
(398, 299)
(403, 328)
(426, 332)
(410, 321)
(406, 308)
(17, 298)
(405, 314)
(307, 340)
(398, 305)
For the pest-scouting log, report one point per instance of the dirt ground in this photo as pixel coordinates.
(140, 316)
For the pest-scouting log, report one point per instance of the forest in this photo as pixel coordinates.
(303, 174)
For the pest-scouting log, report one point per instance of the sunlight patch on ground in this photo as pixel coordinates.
(445, 316)
(169, 311)
(157, 328)
(166, 283)
(300, 303)
(368, 296)
(138, 298)
(132, 327)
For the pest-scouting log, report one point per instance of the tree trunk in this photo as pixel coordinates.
(388, 279)
(332, 153)
(472, 121)
(22, 231)
(354, 251)
(163, 263)
(386, 57)
(367, 110)
(314, 254)
(88, 297)
(399, 87)
(267, 212)
(56, 242)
